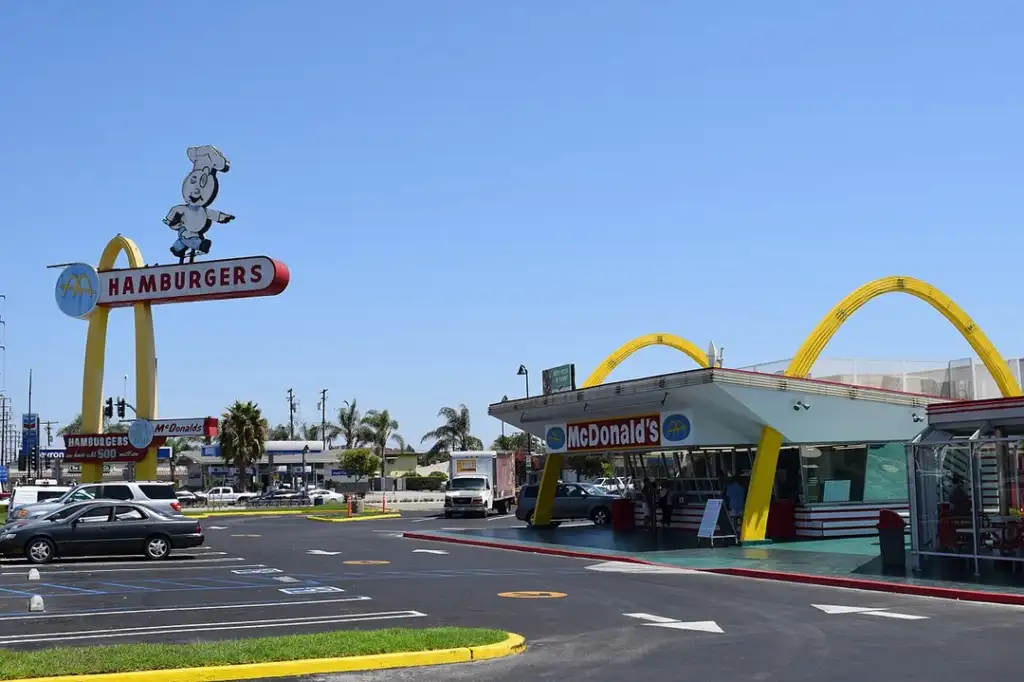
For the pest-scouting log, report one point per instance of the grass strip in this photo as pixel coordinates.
(134, 657)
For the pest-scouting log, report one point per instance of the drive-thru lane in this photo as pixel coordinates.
(582, 618)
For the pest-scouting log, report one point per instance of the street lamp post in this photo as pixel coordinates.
(523, 372)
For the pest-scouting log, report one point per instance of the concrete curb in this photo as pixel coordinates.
(512, 645)
(957, 594)
(552, 551)
(348, 519)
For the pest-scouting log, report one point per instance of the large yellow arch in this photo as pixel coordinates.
(602, 371)
(755, 517)
(553, 462)
(95, 357)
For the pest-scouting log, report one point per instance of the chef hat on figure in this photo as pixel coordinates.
(208, 158)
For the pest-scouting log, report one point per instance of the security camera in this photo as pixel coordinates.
(799, 404)
(796, 407)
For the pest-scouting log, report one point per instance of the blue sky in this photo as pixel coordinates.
(461, 187)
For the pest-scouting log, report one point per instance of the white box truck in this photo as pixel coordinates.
(479, 482)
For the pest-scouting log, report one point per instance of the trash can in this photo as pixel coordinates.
(622, 515)
(892, 539)
(358, 505)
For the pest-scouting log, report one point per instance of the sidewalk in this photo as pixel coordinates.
(846, 562)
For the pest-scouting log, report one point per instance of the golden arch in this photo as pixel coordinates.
(95, 357)
(755, 518)
(553, 463)
(602, 371)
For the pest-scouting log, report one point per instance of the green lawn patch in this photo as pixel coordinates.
(134, 657)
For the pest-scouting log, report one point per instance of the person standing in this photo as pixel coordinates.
(649, 495)
(736, 499)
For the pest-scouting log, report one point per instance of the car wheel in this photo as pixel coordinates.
(529, 519)
(601, 516)
(158, 547)
(39, 551)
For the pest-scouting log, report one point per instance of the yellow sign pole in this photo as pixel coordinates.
(95, 357)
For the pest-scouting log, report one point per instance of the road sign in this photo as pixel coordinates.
(558, 379)
(3, 474)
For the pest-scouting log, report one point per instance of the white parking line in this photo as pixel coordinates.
(208, 627)
(134, 566)
(256, 605)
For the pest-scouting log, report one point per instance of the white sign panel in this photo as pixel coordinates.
(177, 428)
(709, 521)
(555, 439)
(230, 278)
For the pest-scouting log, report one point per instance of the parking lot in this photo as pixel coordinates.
(262, 576)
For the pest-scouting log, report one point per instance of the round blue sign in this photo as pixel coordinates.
(675, 428)
(78, 290)
(555, 438)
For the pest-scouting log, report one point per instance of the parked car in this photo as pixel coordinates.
(99, 528)
(187, 498)
(25, 495)
(326, 495)
(156, 494)
(614, 486)
(572, 501)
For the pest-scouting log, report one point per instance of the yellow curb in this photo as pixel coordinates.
(261, 512)
(368, 517)
(512, 645)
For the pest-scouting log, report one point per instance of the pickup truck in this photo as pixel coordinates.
(226, 495)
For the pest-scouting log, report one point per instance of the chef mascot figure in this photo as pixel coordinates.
(193, 218)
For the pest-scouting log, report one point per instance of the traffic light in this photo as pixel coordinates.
(120, 408)
(108, 409)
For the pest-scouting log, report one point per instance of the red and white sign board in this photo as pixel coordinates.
(105, 447)
(205, 281)
(197, 427)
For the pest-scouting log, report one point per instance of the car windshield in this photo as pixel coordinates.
(75, 495)
(467, 484)
(592, 489)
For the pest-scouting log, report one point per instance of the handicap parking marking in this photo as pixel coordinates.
(134, 567)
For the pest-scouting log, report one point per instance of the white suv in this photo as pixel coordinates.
(158, 495)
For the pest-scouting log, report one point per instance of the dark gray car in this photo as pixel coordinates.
(572, 501)
(99, 528)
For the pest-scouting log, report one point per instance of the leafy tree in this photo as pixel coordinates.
(280, 432)
(358, 462)
(243, 436)
(504, 443)
(377, 429)
(454, 434)
(75, 426)
(520, 440)
(348, 424)
(587, 466)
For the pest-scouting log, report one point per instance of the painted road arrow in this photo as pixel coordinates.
(429, 551)
(881, 612)
(673, 624)
(321, 552)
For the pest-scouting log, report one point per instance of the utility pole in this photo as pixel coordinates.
(291, 414)
(49, 437)
(323, 417)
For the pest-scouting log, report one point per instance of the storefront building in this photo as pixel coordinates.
(841, 460)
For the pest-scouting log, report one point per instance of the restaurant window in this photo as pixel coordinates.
(834, 474)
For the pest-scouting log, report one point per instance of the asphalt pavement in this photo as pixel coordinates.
(587, 619)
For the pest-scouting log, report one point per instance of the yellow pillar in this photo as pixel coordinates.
(546, 492)
(762, 480)
(95, 359)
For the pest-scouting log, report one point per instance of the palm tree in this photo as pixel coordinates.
(313, 432)
(348, 424)
(243, 436)
(454, 434)
(279, 432)
(378, 429)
